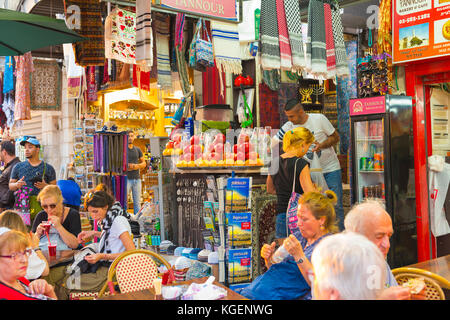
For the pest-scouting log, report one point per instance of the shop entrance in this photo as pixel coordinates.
(428, 84)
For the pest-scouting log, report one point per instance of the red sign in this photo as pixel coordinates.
(224, 9)
(420, 29)
(365, 106)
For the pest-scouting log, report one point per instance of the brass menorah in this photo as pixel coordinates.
(306, 94)
(318, 90)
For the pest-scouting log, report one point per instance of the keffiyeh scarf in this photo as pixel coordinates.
(339, 44)
(115, 211)
(331, 57)
(285, 47)
(162, 28)
(270, 48)
(294, 25)
(316, 56)
(144, 35)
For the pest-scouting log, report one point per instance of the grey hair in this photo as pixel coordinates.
(350, 264)
(356, 218)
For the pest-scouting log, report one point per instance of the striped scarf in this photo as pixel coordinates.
(316, 55)
(115, 211)
(294, 25)
(144, 35)
(180, 46)
(331, 57)
(270, 48)
(227, 51)
(162, 26)
(339, 44)
(285, 48)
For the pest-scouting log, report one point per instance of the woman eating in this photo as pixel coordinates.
(288, 280)
(65, 222)
(14, 254)
(296, 143)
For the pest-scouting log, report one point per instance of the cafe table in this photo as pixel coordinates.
(439, 266)
(61, 257)
(149, 294)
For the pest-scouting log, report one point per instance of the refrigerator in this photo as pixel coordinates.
(382, 166)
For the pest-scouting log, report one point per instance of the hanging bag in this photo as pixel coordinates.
(192, 49)
(291, 212)
(317, 176)
(203, 48)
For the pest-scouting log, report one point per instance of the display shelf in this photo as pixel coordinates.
(371, 171)
(370, 139)
(212, 170)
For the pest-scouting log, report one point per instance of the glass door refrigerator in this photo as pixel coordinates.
(383, 166)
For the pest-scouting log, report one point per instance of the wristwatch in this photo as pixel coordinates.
(299, 261)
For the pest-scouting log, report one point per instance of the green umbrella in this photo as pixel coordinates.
(23, 32)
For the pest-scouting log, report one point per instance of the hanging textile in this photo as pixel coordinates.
(90, 52)
(46, 85)
(270, 49)
(180, 46)
(8, 108)
(268, 107)
(144, 35)
(342, 68)
(384, 40)
(74, 72)
(110, 152)
(91, 84)
(120, 36)
(8, 78)
(24, 68)
(283, 36)
(162, 27)
(294, 25)
(316, 56)
(141, 79)
(331, 55)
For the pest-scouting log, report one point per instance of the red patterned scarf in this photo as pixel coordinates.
(283, 36)
(331, 55)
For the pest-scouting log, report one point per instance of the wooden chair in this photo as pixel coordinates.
(434, 283)
(133, 271)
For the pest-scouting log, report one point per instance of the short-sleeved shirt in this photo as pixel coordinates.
(284, 179)
(134, 154)
(321, 128)
(25, 169)
(119, 226)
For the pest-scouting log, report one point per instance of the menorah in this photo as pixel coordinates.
(306, 94)
(318, 90)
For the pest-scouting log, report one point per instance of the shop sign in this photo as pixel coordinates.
(223, 9)
(420, 29)
(366, 106)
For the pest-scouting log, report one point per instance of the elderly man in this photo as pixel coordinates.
(347, 266)
(370, 219)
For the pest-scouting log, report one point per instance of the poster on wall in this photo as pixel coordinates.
(420, 29)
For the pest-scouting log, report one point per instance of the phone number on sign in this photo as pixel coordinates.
(414, 19)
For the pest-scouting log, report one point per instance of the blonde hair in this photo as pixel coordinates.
(12, 220)
(50, 191)
(296, 136)
(13, 240)
(322, 205)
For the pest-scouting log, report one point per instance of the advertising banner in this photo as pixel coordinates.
(420, 29)
(223, 9)
(366, 106)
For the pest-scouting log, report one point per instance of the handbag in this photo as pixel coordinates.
(203, 48)
(192, 49)
(291, 212)
(317, 176)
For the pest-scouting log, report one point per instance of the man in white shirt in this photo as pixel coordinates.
(326, 137)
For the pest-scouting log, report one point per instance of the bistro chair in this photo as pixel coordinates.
(434, 283)
(133, 271)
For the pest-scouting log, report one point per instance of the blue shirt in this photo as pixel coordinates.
(25, 169)
(71, 192)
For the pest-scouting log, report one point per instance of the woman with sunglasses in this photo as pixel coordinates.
(65, 222)
(14, 253)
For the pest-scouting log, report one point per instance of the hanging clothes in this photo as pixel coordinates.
(316, 56)
(294, 25)
(331, 55)
(8, 76)
(24, 68)
(120, 36)
(270, 48)
(91, 84)
(74, 72)
(162, 28)
(283, 36)
(342, 68)
(144, 35)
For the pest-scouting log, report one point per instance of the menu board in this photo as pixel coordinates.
(420, 29)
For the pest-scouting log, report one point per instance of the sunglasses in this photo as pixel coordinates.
(51, 206)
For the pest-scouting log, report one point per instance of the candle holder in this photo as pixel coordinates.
(318, 90)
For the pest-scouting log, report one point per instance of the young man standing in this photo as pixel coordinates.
(326, 137)
(9, 159)
(33, 173)
(135, 163)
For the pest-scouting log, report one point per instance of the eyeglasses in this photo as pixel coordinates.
(51, 206)
(16, 256)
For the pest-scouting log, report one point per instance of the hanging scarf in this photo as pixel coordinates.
(91, 85)
(294, 25)
(227, 51)
(120, 36)
(339, 45)
(8, 79)
(115, 211)
(331, 55)
(285, 47)
(180, 47)
(144, 35)
(162, 27)
(316, 55)
(270, 49)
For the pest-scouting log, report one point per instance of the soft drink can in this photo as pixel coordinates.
(369, 164)
(377, 162)
(365, 192)
(362, 163)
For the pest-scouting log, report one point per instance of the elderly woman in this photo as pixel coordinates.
(347, 266)
(14, 254)
(296, 143)
(66, 222)
(37, 263)
(288, 279)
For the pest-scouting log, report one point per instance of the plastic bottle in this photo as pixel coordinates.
(280, 254)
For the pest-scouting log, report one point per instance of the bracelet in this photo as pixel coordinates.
(37, 249)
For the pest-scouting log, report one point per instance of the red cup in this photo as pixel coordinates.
(47, 225)
(52, 250)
